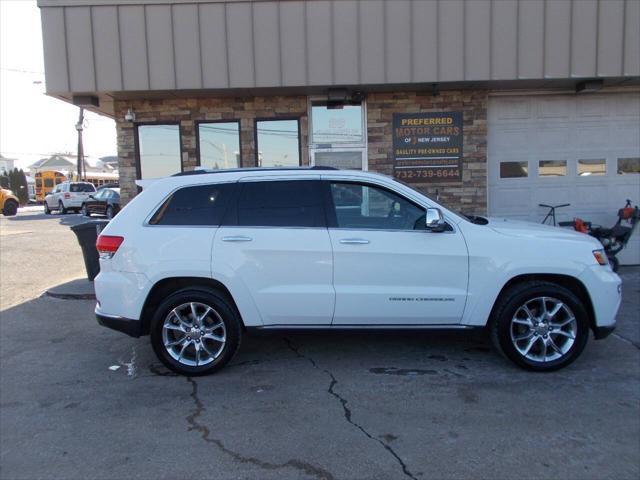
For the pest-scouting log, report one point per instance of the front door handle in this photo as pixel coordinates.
(236, 238)
(354, 241)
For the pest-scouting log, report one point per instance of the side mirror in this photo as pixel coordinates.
(90, 196)
(435, 220)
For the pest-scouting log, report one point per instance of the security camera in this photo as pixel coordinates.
(130, 116)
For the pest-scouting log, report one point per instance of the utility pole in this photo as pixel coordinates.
(79, 126)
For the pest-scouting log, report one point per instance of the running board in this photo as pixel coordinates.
(359, 328)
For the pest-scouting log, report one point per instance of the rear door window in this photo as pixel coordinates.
(200, 205)
(293, 203)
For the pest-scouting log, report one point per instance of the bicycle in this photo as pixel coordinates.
(552, 211)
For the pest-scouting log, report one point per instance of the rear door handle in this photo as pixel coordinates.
(354, 241)
(236, 238)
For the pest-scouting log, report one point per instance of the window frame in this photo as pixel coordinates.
(136, 144)
(275, 119)
(231, 120)
(332, 220)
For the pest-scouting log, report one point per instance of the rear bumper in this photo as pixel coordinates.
(129, 326)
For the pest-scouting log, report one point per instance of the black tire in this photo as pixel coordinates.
(62, 208)
(10, 208)
(109, 212)
(221, 305)
(614, 263)
(47, 210)
(509, 303)
(85, 212)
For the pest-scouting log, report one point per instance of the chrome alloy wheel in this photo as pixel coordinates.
(543, 329)
(194, 334)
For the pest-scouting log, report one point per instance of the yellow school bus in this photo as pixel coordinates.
(45, 181)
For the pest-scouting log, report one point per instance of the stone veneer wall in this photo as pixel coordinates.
(189, 110)
(469, 195)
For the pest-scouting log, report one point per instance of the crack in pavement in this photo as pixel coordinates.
(346, 410)
(194, 425)
(627, 340)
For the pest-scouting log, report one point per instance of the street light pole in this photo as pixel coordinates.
(79, 126)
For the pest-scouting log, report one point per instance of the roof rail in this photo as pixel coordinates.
(250, 169)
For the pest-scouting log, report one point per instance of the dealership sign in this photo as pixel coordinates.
(427, 146)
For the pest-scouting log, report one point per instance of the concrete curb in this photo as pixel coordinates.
(78, 289)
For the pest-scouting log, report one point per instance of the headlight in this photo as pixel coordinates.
(601, 257)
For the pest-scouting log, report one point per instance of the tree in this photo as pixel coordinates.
(4, 179)
(18, 183)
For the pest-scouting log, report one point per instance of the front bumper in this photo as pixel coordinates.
(129, 326)
(603, 332)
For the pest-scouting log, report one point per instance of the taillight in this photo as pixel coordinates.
(107, 245)
(67, 196)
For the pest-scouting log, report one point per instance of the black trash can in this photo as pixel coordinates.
(87, 234)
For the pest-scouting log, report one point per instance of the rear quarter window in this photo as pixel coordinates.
(201, 205)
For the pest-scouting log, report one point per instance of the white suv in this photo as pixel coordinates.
(68, 196)
(197, 260)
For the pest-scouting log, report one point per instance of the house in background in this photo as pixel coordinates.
(6, 164)
(490, 106)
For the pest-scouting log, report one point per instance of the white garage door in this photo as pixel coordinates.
(553, 149)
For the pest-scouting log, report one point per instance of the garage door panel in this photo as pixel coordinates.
(627, 105)
(566, 128)
(513, 200)
(509, 139)
(553, 138)
(558, 107)
(628, 136)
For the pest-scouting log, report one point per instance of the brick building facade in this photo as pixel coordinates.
(469, 194)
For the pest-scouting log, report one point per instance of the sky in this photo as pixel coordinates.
(33, 125)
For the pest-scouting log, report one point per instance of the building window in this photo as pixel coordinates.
(219, 144)
(592, 167)
(277, 143)
(159, 152)
(628, 165)
(341, 124)
(552, 168)
(514, 169)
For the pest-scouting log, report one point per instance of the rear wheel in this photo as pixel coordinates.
(10, 208)
(540, 326)
(62, 208)
(195, 332)
(614, 263)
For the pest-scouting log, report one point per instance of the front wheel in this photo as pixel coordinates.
(540, 326)
(10, 208)
(47, 210)
(614, 263)
(110, 213)
(85, 211)
(195, 331)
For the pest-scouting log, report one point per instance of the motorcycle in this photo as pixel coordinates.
(613, 239)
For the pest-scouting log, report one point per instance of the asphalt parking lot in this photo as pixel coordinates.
(296, 406)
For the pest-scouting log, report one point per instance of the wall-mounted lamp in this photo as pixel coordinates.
(130, 116)
(589, 86)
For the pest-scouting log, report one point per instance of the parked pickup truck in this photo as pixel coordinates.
(198, 260)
